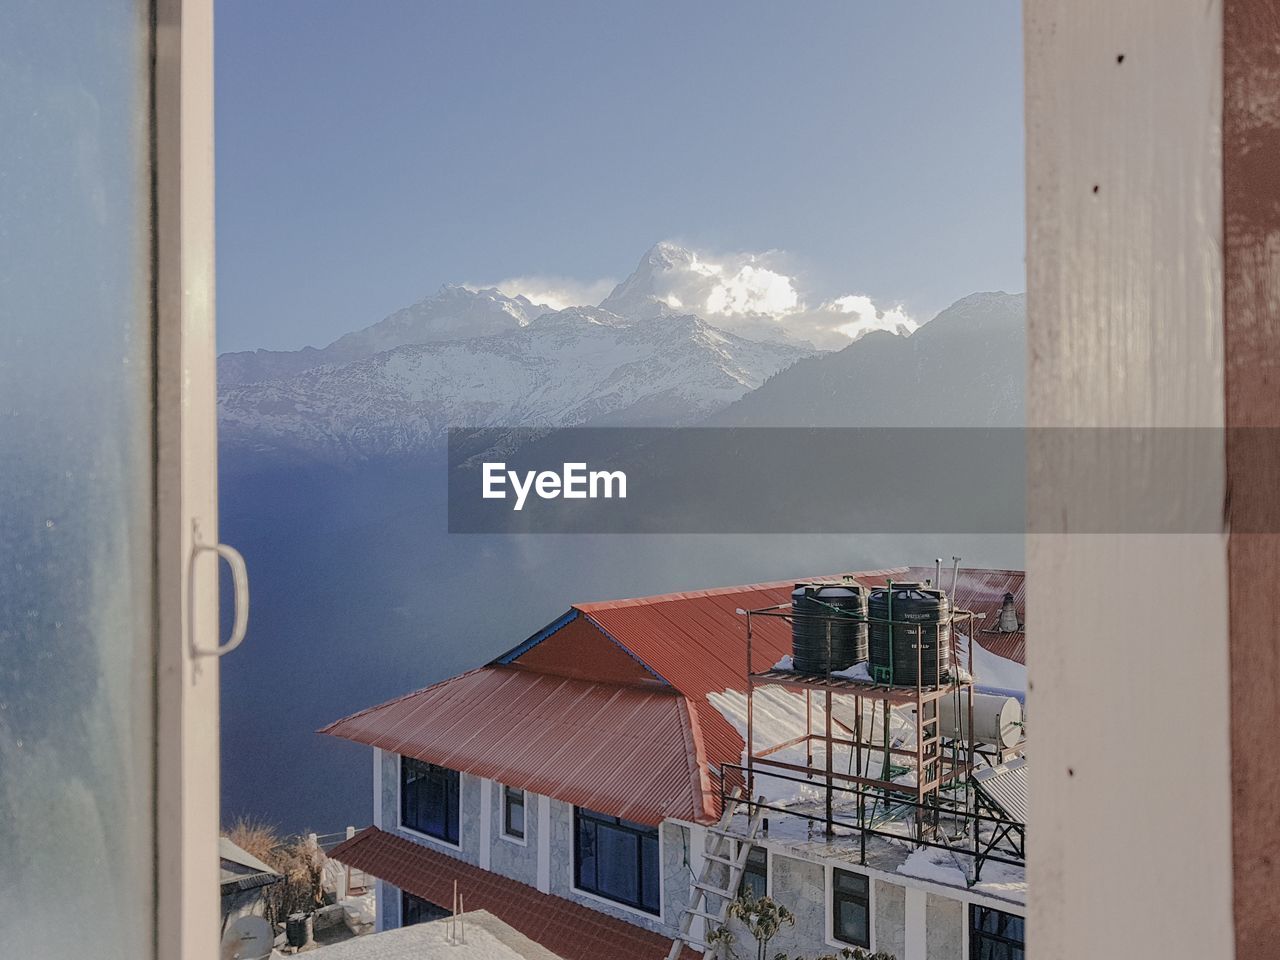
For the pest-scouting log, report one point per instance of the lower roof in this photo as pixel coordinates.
(624, 750)
(567, 929)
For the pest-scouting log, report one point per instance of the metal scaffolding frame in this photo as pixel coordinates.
(942, 805)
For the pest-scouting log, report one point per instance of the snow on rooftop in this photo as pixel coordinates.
(943, 866)
(779, 717)
(483, 937)
(992, 673)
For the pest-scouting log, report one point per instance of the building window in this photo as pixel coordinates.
(851, 908)
(617, 859)
(429, 799)
(755, 874)
(513, 812)
(416, 910)
(994, 935)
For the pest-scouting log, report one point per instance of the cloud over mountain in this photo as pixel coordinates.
(750, 294)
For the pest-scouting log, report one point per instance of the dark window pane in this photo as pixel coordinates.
(755, 876)
(416, 910)
(617, 859)
(995, 935)
(851, 908)
(513, 812)
(619, 876)
(429, 799)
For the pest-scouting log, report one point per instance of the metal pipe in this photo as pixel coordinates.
(955, 576)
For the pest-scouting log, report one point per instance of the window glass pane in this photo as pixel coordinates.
(995, 935)
(514, 812)
(618, 867)
(851, 883)
(416, 910)
(755, 878)
(650, 872)
(586, 855)
(429, 799)
(618, 859)
(851, 923)
(851, 908)
(76, 650)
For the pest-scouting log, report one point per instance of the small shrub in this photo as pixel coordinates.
(764, 918)
(298, 861)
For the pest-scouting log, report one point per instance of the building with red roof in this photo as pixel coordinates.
(584, 771)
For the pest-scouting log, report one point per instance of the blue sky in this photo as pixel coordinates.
(369, 152)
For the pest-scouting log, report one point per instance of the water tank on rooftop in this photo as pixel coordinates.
(997, 720)
(819, 610)
(919, 638)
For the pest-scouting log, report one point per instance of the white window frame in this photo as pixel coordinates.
(417, 834)
(829, 889)
(187, 788)
(502, 815)
(660, 916)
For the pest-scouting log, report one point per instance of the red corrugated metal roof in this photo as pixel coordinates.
(697, 640)
(641, 751)
(982, 591)
(567, 929)
(624, 750)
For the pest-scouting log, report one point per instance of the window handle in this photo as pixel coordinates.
(240, 592)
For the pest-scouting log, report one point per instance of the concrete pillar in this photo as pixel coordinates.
(916, 925)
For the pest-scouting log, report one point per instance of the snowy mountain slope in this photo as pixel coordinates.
(454, 312)
(577, 366)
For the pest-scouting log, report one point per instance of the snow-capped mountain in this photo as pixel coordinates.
(647, 290)
(582, 365)
(453, 313)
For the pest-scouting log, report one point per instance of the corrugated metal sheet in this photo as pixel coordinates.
(626, 749)
(623, 750)
(567, 929)
(982, 591)
(1006, 787)
(697, 640)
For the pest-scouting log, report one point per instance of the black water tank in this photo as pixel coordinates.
(819, 607)
(921, 629)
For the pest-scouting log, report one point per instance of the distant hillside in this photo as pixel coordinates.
(967, 367)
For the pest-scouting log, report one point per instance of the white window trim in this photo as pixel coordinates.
(417, 833)
(828, 905)
(544, 842)
(486, 823)
(502, 815)
(377, 787)
(659, 917)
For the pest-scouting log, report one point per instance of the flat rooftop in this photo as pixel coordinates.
(482, 937)
(807, 840)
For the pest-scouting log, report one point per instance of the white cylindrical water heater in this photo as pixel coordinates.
(996, 720)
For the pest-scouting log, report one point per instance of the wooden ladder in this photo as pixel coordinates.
(726, 849)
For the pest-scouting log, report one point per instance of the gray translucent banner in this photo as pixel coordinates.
(858, 480)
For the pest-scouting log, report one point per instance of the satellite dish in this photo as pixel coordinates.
(248, 938)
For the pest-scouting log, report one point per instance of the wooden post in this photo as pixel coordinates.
(1125, 330)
